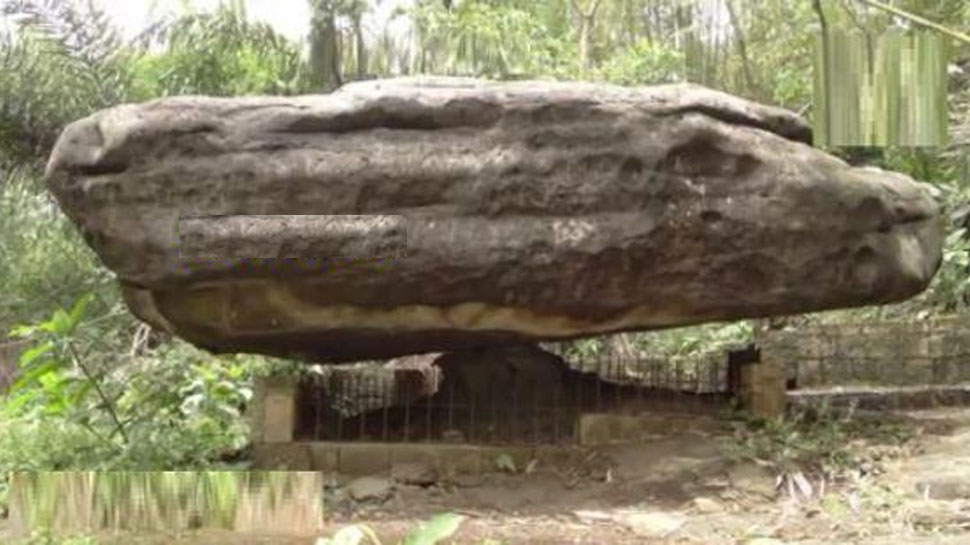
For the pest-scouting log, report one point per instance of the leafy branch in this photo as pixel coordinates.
(918, 20)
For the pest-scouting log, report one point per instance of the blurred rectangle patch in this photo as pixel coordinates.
(885, 90)
(292, 236)
(136, 505)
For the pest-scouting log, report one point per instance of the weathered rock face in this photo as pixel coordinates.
(533, 211)
(526, 374)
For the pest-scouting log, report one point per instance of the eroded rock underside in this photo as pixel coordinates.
(533, 211)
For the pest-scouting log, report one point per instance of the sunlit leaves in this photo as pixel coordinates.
(487, 39)
(65, 61)
(175, 408)
(220, 53)
(644, 63)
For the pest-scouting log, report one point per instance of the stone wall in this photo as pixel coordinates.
(887, 353)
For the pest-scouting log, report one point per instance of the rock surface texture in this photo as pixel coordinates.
(533, 211)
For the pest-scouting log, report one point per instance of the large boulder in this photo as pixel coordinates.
(528, 211)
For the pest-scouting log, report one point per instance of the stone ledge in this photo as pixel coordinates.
(597, 429)
(367, 458)
(376, 458)
(883, 398)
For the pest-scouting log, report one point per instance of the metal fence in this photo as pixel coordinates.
(429, 399)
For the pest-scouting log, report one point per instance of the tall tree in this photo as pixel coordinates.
(585, 11)
(324, 69)
(742, 46)
(356, 11)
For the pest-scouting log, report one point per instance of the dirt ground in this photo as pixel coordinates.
(684, 490)
(678, 489)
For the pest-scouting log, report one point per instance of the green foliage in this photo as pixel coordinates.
(87, 397)
(643, 63)
(65, 61)
(815, 444)
(43, 261)
(950, 290)
(782, 34)
(792, 86)
(671, 344)
(4, 494)
(79, 403)
(46, 537)
(488, 39)
(691, 340)
(221, 53)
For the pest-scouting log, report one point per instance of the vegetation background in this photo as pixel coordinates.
(99, 390)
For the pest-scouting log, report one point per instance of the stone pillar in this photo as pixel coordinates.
(272, 412)
(761, 388)
(758, 377)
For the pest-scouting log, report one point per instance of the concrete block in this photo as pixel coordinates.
(603, 428)
(364, 458)
(762, 389)
(411, 453)
(272, 411)
(460, 460)
(282, 457)
(278, 423)
(556, 455)
(325, 456)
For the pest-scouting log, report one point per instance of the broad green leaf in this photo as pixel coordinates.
(58, 323)
(77, 312)
(55, 407)
(28, 356)
(23, 331)
(14, 403)
(35, 374)
(439, 527)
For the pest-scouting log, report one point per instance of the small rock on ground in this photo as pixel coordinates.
(370, 489)
(654, 525)
(414, 473)
(708, 505)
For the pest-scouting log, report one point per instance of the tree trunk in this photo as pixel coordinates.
(742, 47)
(361, 48)
(584, 63)
(324, 49)
(587, 18)
(826, 97)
